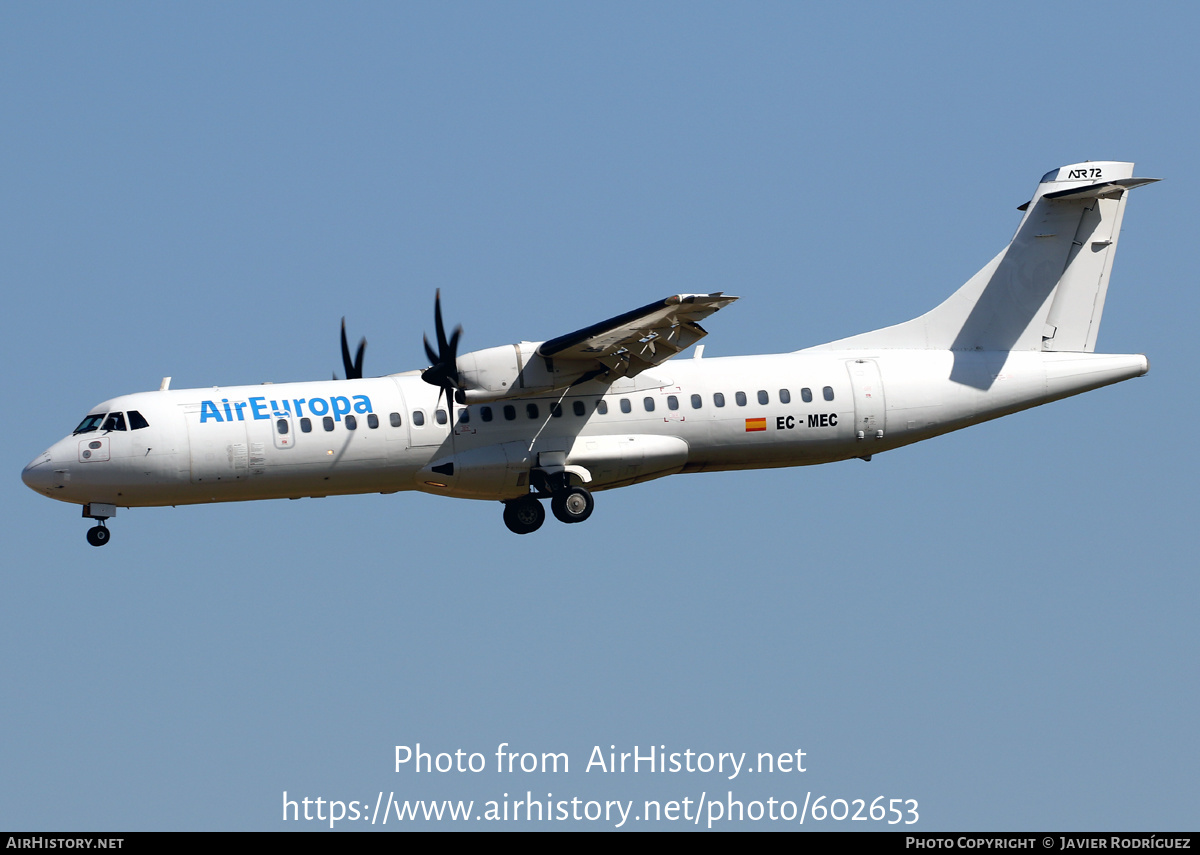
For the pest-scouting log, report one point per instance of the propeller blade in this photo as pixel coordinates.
(437, 320)
(443, 369)
(448, 350)
(353, 368)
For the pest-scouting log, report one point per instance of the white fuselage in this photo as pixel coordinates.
(385, 434)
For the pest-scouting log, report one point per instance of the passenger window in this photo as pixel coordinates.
(697, 402)
(602, 407)
(327, 422)
(372, 421)
(828, 393)
(136, 421)
(806, 395)
(464, 416)
(531, 410)
(485, 413)
(440, 415)
(115, 421)
(351, 423)
(785, 397)
(418, 418)
(740, 397)
(510, 412)
(672, 402)
(395, 419)
(306, 425)
(718, 399)
(626, 407)
(648, 403)
(281, 425)
(579, 408)
(556, 410)
(763, 397)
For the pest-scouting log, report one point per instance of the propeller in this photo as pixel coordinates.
(443, 372)
(353, 369)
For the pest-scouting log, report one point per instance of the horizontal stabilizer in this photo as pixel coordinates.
(1101, 190)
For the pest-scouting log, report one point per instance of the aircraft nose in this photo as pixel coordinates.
(39, 474)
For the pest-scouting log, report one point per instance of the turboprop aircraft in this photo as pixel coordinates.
(602, 407)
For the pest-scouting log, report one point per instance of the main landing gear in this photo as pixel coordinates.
(572, 505)
(568, 504)
(98, 535)
(524, 515)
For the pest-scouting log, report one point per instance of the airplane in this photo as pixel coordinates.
(602, 407)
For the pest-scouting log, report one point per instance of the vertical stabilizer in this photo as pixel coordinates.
(1074, 317)
(1046, 289)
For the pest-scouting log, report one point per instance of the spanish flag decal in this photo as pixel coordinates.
(755, 424)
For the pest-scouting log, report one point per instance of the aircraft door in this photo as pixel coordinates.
(870, 412)
(283, 429)
(424, 421)
(219, 450)
(429, 425)
(669, 404)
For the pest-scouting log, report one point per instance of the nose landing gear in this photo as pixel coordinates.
(98, 535)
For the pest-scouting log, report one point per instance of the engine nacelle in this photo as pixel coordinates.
(513, 370)
(491, 472)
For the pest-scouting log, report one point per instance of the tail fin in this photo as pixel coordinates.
(1046, 289)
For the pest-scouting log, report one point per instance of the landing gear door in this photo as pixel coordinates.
(870, 414)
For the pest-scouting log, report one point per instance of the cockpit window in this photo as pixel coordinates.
(137, 421)
(115, 421)
(90, 423)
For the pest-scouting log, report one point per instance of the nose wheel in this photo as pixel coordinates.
(98, 535)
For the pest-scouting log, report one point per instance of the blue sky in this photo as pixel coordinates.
(999, 623)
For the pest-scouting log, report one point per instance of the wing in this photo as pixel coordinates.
(637, 340)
